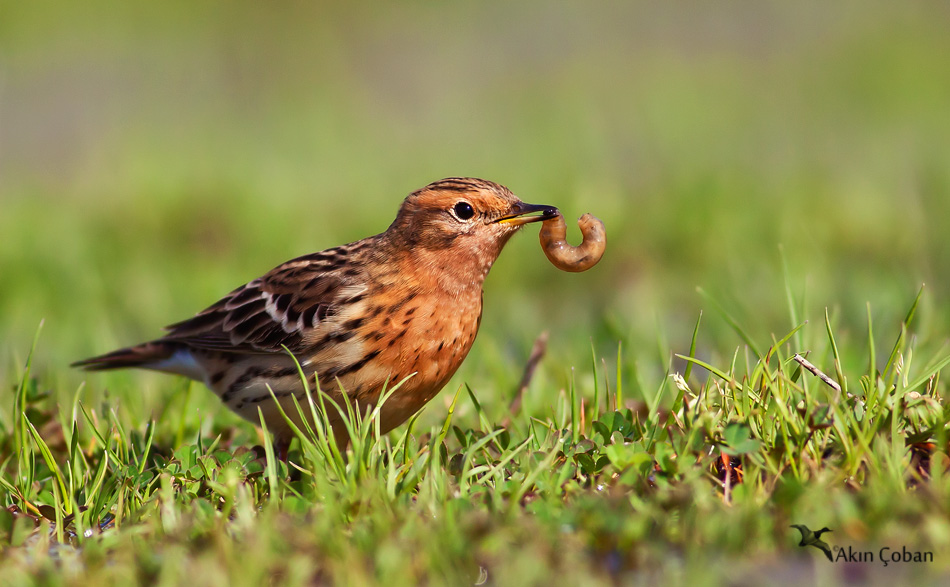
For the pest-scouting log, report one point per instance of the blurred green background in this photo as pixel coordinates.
(153, 157)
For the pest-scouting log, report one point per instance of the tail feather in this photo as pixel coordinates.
(146, 355)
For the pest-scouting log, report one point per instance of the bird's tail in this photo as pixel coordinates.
(146, 356)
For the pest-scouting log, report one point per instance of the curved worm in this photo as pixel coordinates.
(567, 258)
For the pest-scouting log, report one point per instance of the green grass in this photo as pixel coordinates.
(774, 181)
(594, 488)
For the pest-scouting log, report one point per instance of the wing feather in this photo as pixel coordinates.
(284, 307)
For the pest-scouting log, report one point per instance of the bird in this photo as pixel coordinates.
(810, 538)
(402, 306)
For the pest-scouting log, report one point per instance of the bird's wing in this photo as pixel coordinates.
(823, 546)
(284, 307)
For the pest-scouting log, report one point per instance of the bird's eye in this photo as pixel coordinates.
(464, 211)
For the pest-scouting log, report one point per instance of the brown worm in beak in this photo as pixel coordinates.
(569, 258)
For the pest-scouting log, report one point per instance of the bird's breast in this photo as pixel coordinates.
(418, 336)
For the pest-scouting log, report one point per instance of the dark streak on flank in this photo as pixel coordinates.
(395, 307)
(331, 338)
(357, 365)
(285, 372)
(341, 336)
(355, 298)
(237, 384)
(353, 324)
(393, 340)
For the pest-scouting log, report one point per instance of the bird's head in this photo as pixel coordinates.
(462, 223)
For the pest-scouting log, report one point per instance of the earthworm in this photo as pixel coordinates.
(566, 257)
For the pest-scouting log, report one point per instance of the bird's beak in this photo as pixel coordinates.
(522, 213)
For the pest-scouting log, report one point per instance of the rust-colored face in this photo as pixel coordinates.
(465, 214)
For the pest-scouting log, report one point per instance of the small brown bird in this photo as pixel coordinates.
(359, 317)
